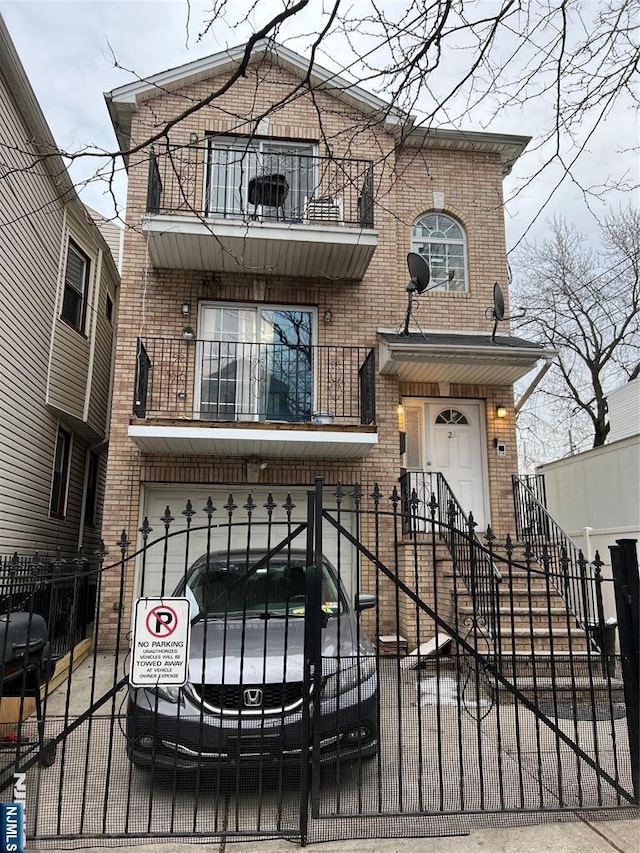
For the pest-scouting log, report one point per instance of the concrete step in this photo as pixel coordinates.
(520, 664)
(540, 641)
(536, 584)
(523, 616)
(596, 691)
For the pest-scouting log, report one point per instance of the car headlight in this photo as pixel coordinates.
(349, 677)
(167, 691)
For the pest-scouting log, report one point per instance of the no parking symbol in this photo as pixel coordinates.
(160, 649)
(162, 621)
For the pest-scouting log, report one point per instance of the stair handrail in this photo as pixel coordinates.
(577, 580)
(472, 559)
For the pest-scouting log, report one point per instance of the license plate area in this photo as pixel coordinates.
(253, 746)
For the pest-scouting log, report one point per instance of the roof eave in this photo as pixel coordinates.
(508, 146)
(482, 351)
(482, 364)
(122, 101)
(42, 138)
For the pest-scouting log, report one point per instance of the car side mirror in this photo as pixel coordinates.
(365, 601)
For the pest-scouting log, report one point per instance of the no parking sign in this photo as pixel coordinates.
(160, 652)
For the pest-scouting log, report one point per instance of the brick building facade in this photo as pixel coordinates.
(202, 249)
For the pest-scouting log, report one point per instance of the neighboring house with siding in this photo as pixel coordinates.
(595, 495)
(112, 233)
(59, 295)
(285, 243)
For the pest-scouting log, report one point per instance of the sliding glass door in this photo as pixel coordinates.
(255, 363)
(259, 178)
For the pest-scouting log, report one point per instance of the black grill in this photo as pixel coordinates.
(231, 697)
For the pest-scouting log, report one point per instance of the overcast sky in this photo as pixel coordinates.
(68, 50)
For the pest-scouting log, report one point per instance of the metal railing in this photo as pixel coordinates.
(212, 380)
(577, 580)
(428, 498)
(418, 741)
(241, 182)
(62, 591)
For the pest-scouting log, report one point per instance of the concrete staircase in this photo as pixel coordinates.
(539, 646)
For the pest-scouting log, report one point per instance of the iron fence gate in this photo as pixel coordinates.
(422, 682)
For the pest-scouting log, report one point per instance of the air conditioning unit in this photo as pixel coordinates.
(323, 210)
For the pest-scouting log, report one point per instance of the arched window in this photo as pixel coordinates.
(442, 242)
(451, 416)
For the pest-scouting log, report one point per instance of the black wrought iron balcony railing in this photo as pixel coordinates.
(240, 182)
(214, 380)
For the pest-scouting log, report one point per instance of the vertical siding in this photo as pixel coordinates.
(624, 411)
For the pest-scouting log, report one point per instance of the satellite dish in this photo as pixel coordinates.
(419, 272)
(497, 313)
(498, 302)
(420, 276)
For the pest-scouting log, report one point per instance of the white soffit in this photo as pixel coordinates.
(181, 242)
(413, 360)
(237, 442)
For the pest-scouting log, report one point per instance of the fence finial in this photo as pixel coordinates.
(123, 542)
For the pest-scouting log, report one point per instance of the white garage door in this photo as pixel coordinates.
(157, 498)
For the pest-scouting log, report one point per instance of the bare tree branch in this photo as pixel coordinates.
(589, 308)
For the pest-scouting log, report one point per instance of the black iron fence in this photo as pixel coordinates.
(213, 380)
(332, 684)
(239, 181)
(60, 590)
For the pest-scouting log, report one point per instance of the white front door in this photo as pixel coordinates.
(447, 437)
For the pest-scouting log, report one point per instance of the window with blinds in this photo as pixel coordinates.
(76, 278)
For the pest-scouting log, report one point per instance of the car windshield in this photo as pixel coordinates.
(230, 587)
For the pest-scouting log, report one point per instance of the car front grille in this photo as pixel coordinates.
(248, 698)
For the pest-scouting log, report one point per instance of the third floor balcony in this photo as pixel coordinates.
(263, 206)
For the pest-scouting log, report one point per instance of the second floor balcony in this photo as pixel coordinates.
(233, 398)
(266, 206)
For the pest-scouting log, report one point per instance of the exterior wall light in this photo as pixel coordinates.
(501, 412)
(186, 309)
(193, 137)
(328, 315)
(401, 429)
